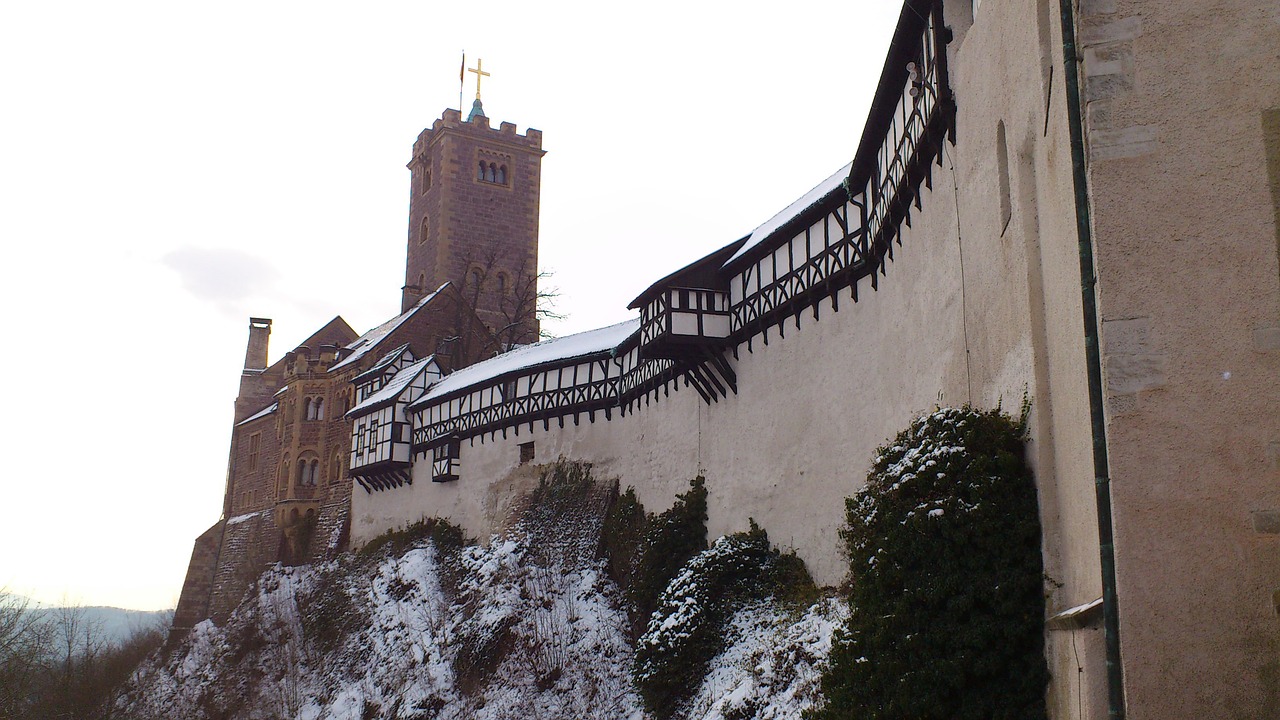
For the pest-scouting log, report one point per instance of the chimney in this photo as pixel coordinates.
(255, 357)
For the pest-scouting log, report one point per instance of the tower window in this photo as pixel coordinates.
(308, 471)
(491, 168)
(255, 441)
(424, 180)
(422, 230)
(314, 408)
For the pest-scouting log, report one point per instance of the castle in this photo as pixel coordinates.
(1081, 209)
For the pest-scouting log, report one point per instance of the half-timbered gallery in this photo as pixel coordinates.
(1076, 206)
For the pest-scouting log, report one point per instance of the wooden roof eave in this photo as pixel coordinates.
(708, 264)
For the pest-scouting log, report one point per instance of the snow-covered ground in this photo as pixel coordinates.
(511, 637)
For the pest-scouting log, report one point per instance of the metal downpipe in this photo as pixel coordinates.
(1093, 361)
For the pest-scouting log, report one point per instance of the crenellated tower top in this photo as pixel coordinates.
(473, 219)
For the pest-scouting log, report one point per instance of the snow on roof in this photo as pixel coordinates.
(368, 341)
(570, 346)
(260, 414)
(381, 364)
(808, 200)
(247, 516)
(394, 387)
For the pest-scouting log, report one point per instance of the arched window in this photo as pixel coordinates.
(492, 175)
(502, 284)
(502, 174)
(480, 172)
(319, 408)
(422, 230)
(284, 474)
(308, 471)
(475, 278)
(309, 410)
(336, 471)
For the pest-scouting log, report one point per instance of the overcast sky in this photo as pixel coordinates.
(168, 169)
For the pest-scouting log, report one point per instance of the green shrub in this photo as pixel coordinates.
(688, 628)
(622, 536)
(946, 601)
(671, 538)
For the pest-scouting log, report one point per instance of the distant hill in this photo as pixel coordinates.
(115, 623)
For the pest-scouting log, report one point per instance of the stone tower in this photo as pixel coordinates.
(473, 220)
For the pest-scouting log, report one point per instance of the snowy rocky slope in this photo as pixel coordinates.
(426, 626)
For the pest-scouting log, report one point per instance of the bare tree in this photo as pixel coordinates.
(59, 663)
(508, 295)
(24, 655)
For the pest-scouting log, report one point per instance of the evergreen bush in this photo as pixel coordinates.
(670, 540)
(688, 628)
(946, 603)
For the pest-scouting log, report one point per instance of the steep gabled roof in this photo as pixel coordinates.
(371, 340)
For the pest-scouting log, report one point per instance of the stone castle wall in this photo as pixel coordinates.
(250, 543)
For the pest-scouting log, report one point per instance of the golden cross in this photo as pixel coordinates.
(480, 73)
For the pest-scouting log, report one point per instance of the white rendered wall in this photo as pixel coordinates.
(796, 440)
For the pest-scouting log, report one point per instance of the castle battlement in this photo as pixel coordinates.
(478, 128)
